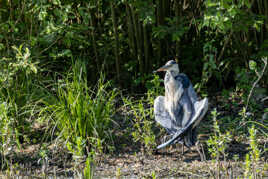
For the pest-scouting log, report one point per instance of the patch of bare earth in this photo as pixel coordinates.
(170, 162)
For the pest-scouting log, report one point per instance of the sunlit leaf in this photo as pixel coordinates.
(252, 65)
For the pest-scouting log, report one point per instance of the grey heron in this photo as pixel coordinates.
(179, 111)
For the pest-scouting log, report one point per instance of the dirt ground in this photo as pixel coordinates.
(171, 163)
(165, 163)
(130, 161)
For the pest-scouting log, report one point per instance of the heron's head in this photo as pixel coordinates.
(170, 66)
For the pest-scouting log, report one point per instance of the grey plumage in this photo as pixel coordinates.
(179, 111)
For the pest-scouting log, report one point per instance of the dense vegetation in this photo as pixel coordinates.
(72, 72)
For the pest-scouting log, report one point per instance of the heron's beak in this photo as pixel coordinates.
(163, 68)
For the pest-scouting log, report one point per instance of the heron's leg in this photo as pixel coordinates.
(189, 148)
(198, 150)
(201, 154)
(164, 139)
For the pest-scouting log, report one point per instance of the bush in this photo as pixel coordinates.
(83, 114)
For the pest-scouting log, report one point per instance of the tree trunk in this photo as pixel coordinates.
(146, 47)
(131, 35)
(178, 9)
(94, 43)
(116, 50)
(138, 38)
(160, 22)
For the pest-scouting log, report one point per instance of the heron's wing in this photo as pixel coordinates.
(190, 137)
(187, 132)
(187, 84)
(200, 108)
(192, 94)
(163, 117)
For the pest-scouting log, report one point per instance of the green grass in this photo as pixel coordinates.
(82, 113)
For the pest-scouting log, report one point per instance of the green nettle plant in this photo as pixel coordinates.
(142, 111)
(143, 123)
(253, 157)
(218, 142)
(83, 114)
(154, 88)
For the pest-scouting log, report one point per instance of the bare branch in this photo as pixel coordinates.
(257, 81)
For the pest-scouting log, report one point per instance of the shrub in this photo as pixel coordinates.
(82, 113)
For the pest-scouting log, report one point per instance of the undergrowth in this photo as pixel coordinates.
(49, 99)
(83, 114)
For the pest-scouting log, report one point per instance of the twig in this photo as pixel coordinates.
(48, 47)
(266, 98)
(224, 46)
(187, 173)
(256, 82)
(198, 150)
(203, 152)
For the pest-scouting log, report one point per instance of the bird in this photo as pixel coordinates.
(179, 111)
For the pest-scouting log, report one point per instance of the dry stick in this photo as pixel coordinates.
(185, 173)
(264, 99)
(189, 173)
(256, 82)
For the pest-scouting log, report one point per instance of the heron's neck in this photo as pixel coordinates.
(174, 73)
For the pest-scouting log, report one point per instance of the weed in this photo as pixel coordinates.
(18, 93)
(153, 175)
(88, 170)
(142, 112)
(217, 143)
(253, 157)
(118, 173)
(142, 118)
(83, 114)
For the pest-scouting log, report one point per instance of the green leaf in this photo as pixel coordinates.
(33, 68)
(2, 47)
(252, 65)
